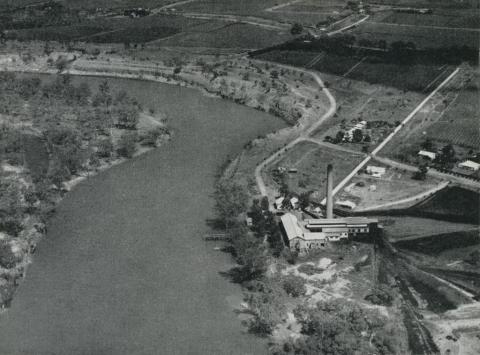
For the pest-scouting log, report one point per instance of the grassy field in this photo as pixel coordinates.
(393, 186)
(228, 35)
(307, 12)
(244, 7)
(311, 162)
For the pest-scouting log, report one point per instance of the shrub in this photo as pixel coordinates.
(151, 137)
(294, 286)
(105, 148)
(7, 258)
(126, 145)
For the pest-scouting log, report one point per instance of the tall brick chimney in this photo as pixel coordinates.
(329, 191)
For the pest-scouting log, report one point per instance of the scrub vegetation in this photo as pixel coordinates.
(52, 132)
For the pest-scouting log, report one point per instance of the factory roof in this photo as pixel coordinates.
(290, 223)
(345, 220)
(314, 236)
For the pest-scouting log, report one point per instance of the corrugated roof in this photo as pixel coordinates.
(290, 224)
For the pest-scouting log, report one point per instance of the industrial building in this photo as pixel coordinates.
(302, 236)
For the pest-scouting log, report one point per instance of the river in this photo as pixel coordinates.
(123, 268)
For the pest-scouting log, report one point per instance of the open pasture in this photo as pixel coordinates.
(229, 35)
(233, 7)
(311, 162)
(320, 7)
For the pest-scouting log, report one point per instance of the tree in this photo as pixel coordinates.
(421, 174)
(474, 258)
(304, 200)
(126, 145)
(230, 200)
(265, 204)
(7, 257)
(296, 29)
(357, 136)
(428, 145)
(126, 116)
(294, 285)
(105, 148)
(339, 137)
(446, 158)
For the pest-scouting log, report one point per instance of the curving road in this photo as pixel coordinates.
(303, 135)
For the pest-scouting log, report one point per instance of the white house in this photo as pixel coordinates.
(279, 202)
(469, 165)
(376, 171)
(294, 202)
(427, 154)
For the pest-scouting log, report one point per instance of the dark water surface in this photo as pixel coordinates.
(124, 269)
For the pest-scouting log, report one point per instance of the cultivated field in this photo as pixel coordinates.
(422, 37)
(467, 19)
(414, 77)
(305, 12)
(110, 30)
(460, 123)
(451, 116)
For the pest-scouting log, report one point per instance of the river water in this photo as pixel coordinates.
(124, 269)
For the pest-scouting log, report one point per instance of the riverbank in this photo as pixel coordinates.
(41, 162)
(124, 254)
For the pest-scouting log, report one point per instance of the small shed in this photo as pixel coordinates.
(279, 202)
(376, 171)
(427, 154)
(347, 204)
(469, 165)
(294, 202)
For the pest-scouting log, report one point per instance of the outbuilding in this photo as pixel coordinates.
(427, 154)
(469, 165)
(376, 171)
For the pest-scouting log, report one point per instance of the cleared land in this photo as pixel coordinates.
(395, 185)
(228, 35)
(311, 162)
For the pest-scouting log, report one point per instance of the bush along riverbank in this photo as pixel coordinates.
(315, 304)
(53, 134)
